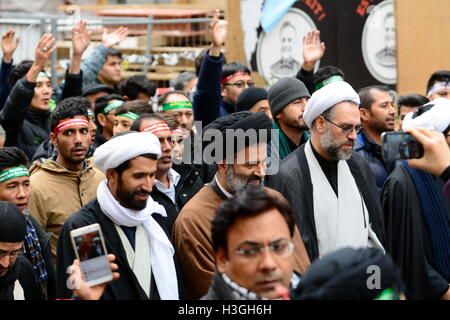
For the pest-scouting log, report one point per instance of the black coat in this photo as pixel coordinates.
(22, 270)
(190, 183)
(294, 182)
(407, 239)
(44, 240)
(127, 286)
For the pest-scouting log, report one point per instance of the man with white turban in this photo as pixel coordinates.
(131, 221)
(331, 189)
(417, 215)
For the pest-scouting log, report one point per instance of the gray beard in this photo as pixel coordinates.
(236, 182)
(329, 145)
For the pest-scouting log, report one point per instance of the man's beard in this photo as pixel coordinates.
(238, 182)
(126, 198)
(330, 146)
(298, 124)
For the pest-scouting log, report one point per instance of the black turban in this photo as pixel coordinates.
(243, 120)
(345, 275)
(13, 226)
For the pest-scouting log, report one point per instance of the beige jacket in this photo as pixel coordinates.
(57, 192)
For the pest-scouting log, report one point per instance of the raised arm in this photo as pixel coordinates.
(207, 99)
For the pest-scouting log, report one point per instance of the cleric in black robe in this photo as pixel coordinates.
(132, 224)
(417, 216)
(331, 189)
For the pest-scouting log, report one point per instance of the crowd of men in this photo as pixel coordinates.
(95, 150)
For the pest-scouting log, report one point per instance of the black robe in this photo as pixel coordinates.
(294, 182)
(22, 270)
(407, 238)
(127, 286)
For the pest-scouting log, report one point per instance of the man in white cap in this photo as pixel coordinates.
(331, 189)
(131, 222)
(417, 215)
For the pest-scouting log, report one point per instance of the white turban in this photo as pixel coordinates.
(326, 97)
(437, 118)
(119, 149)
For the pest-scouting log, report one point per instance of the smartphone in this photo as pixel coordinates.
(400, 145)
(90, 250)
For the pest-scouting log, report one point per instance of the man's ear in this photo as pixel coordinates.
(221, 165)
(112, 176)
(101, 118)
(320, 123)
(126, 98)
(53, 139)
(221, 258)
(364, 114)
(223, 91)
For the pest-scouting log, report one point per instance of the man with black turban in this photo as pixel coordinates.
(351, 274)
(17, 278)
(238, 149)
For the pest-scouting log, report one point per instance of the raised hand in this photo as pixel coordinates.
(9, 45)
(81, 38)
(113, 38)
(313, 49)
(44, 50)
(218, 33)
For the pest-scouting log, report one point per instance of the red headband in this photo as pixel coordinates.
(70, 123)
(156, 127)
(224, 80)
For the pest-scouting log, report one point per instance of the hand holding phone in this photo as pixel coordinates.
(90, 250)
(400, 145)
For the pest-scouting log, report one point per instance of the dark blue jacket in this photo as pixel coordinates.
(371, 152)
(5, 87)
(207, 103)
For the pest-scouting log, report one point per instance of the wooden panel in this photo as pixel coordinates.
(423, 33)
(234, 43)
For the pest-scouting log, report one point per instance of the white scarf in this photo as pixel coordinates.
(340, 222)
(161, 249)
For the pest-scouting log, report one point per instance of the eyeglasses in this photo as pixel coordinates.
(281, 248)
(346, 128)
(241, 84)
(12, 254)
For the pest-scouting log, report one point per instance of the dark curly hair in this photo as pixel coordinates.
(12, 157)
(68, 109)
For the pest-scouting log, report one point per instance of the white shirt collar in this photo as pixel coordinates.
(225, 192)
(174, 178)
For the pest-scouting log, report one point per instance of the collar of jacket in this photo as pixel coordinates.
(38, 117)
(55, 167)
(368, 144)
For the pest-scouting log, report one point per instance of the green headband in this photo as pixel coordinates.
(176, 105)
(42, 75)
(388, 294)
(130, 115)
(111, 106)
(13, 173)
(90, 113)
(328, 81)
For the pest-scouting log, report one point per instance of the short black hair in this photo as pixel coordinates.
(19, 71)
(102, 102)
(136, 84)
(180, 82)
(326, 72)
(12, 157)
(68, 109)
(162, 98)
(114, 53)
(366, 96)
(438, 76)
(137, 106)
(411, 100)
(233, 67)
(137, 123)
(252, 201)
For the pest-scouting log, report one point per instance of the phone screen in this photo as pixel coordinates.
(400, 145)
(93, 260)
